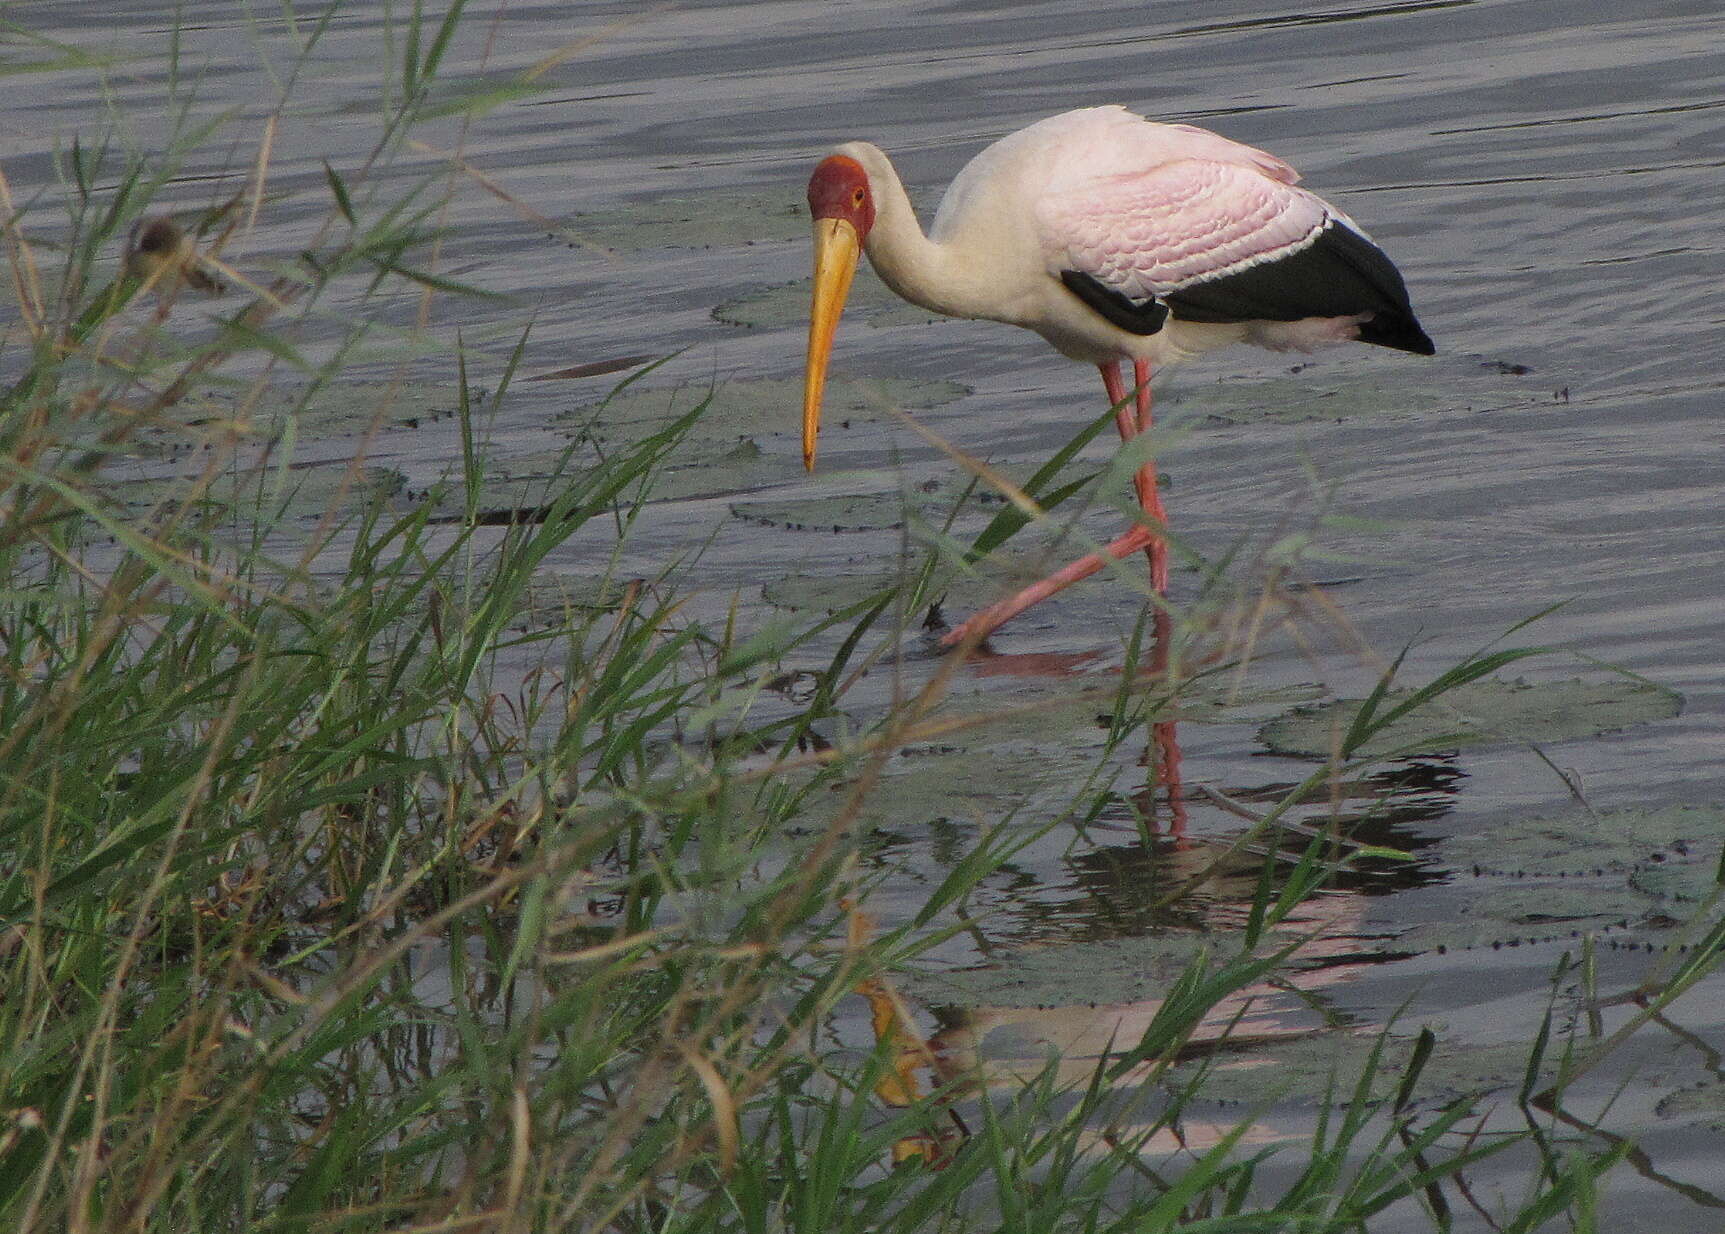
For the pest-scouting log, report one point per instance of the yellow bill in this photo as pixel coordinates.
(836, 252)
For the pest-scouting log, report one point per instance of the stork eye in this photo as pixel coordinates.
(857, 198)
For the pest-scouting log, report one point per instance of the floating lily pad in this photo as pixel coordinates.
(1489, 710)
(977, 772)
(760, 408)
(549, 600)
(719, 218)
(1081, 710)
(1222, 702)
(1027, 753)
(1704, 1103)
(1121, 969)
(521, 483)
(1581, 843)
(1302, 397)
(530, 481)
(297, 492)
(930, 784)
(1327, 1067)
(553, 594)
(932, 502)
(830, 593)
(958, 777)
(1502, 915)
(712, 220)
(742, 468)
(340, 409)
(1048, 719)
(787, 304)
(1688, 881)
(1111, 970)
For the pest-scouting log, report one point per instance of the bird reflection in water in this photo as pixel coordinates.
(1161, 900)
(1159, 896)
(1164, 793)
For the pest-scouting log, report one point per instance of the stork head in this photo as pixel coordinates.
(841, 202)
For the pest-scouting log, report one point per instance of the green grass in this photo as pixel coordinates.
(320, 912)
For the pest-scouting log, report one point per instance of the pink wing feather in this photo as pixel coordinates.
(1152, 232)
(1203, 144)
(1140, 221)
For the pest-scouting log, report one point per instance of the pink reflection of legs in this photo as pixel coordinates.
(1162, 756)
(1164, 752)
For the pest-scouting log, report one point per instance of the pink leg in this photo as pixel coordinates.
(996, 615)
(1130, 422)
(1145, 481)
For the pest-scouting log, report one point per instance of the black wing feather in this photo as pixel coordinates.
(1339, 273)
(1132, 316)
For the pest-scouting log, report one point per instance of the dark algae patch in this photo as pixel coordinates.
(1480, 712)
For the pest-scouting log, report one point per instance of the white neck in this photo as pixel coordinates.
(938, 276)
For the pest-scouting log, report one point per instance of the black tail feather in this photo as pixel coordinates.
(1337, 274)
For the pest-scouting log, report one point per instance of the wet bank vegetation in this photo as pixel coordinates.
(376, 861)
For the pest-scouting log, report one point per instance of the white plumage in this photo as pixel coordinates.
(1116, 239)
(1145, 209)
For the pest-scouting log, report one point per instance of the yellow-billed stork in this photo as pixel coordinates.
(1116, 239)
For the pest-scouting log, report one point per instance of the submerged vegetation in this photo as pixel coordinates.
(380, 859)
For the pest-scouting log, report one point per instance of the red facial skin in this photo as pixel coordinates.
(839, 190)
